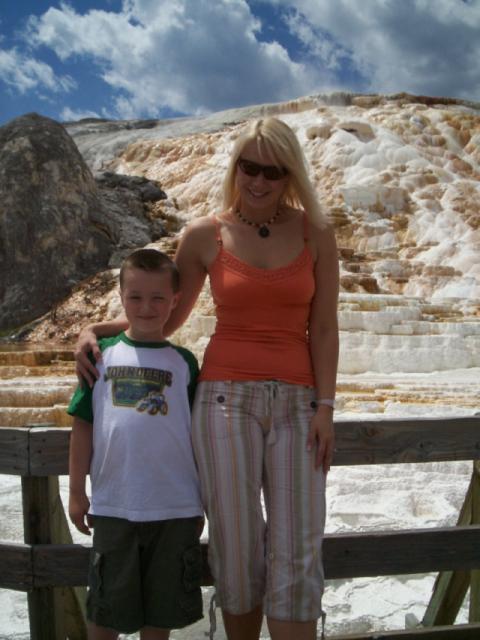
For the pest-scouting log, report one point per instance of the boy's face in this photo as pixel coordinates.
(148, 299)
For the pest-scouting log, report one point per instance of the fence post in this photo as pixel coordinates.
(44, 606)
(450, 587)
(55, 613)
(474, 612)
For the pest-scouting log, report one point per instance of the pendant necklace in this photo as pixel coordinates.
(263, 230)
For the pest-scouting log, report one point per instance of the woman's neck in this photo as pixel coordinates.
(258, 214)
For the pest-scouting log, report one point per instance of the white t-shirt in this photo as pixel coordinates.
(142, 467)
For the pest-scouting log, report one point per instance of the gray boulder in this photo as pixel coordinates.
(54, 227)
(58, 223)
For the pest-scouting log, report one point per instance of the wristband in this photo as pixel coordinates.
(329, 402)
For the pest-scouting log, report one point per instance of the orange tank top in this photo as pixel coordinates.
(262, 319)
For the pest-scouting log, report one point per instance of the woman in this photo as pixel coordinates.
(263, 413)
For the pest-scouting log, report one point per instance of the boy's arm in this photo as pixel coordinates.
(81, 448)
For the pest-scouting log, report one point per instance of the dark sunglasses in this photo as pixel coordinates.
(270, 171)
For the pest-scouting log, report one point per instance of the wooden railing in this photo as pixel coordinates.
(53, 571)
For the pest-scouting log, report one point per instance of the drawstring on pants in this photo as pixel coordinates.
(271, 392)
(324, 617)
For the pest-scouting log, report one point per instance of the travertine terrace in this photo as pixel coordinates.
(399, 177)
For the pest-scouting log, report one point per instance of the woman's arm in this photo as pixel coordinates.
(191, 259)
(324, 346)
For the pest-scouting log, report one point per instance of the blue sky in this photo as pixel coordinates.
(127, 59)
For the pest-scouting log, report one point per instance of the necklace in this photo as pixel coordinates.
(263, 230)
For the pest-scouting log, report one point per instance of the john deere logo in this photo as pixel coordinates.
(140, 388)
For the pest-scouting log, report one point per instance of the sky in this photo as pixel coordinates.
(131, 59)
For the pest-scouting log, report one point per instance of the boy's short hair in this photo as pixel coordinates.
(151, 260)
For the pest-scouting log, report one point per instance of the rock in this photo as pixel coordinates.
(54, 231)
(145, 189)
(323, 131)
(378, 198)
(58, 224)
(362, 130)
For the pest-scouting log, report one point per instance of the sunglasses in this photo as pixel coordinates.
(270, 171)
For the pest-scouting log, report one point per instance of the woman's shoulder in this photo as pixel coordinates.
(319, 234)
(200, 229)
(201, 223)
(198, 239)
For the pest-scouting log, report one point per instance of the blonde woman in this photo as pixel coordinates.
(263, 413)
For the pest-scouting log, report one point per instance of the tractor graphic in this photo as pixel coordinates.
(153, 402)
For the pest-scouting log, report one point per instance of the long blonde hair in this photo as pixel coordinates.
(276, 139)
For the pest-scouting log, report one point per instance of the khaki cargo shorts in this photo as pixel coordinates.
(144, 574)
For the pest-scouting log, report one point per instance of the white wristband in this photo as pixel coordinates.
(329, 402)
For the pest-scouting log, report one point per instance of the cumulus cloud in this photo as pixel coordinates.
(158, 58)
(416, 46)
(72, 115)
(190, 56)
(25, 73)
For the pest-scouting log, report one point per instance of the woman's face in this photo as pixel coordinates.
(258, 193)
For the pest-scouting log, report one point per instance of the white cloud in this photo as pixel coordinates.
(72, 115)
(194, 56)
(317, 42)
(190, 56)
(416, 46)
(25, 73)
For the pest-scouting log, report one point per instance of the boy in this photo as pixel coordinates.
(131, 432)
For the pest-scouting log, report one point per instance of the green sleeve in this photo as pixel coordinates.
(192, 362)
(81, 404)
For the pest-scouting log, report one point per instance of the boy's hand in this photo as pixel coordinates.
(86, 343)
(200, 526)
(78, 506)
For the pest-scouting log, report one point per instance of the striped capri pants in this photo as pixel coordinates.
(250, 437)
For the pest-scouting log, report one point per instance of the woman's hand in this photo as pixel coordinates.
(321, 437)
(85, 369)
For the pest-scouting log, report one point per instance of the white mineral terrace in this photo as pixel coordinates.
(398, 355)
(400, 180)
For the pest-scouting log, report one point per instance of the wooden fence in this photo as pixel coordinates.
(53, 571)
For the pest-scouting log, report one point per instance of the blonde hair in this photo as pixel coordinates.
(276, 139)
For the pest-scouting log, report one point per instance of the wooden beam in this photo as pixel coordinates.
(60, 564)
(474, 611)
(55, 613)
(14, 451)
(448, 594)
(457, 632)
(450, 587)
(46, 565)
(345, 555)
(45, 616)
(357, 443)
(16, 567)
(401, 552)
(49, 451)
(407, 440)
